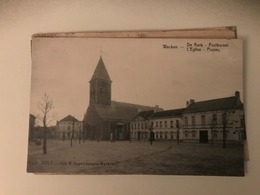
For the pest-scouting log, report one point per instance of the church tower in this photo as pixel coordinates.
(100, 85)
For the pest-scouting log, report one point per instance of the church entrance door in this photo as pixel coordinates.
(120, 134)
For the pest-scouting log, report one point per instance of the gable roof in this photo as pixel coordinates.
(120, 110)
(169, 113)
(215, 104)
(145, 114)
(70, 119)
(101, 71)
(32, 116)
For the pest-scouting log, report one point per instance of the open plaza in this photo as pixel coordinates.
(124, 157)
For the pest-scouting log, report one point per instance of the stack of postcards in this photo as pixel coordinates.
(166, 102)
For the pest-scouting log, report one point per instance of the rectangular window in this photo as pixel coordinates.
(193, 134)
(165, 124)
(171, 123)
(156, 124)
(160, 124)
(214, 119)
(186, 121)
(203, 122)
(193, 120)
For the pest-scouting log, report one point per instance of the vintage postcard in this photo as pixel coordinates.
(226, 32)
(148, 106)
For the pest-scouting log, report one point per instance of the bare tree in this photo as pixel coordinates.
(213, 124)
(224, 125)
(45, 106)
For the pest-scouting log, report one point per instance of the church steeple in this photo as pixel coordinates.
(100, 85)
(100, 71)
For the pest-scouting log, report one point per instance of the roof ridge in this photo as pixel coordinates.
(131, 104)
(69, 117)
(215, 99)
(172, 110)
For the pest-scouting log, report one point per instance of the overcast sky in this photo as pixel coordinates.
(142, 72)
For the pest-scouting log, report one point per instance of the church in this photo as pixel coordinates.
(106, 119)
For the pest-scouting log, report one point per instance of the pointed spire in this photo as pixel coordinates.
(101, 71)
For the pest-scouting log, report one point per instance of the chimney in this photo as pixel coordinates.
(192, 101)
(237, 94)
(156, 108)
(187, 103)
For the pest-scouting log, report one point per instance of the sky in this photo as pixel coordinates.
(141, 70)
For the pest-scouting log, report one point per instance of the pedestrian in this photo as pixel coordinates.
(151, 137)
(111, 137)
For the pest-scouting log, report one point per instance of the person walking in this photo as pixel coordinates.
(111, 137)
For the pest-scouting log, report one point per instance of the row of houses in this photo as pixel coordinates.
(199, 121)
(36, 133)
(66, 128)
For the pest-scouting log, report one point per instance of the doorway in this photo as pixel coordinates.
(203, 136)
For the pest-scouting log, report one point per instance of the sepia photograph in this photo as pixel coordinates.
(123, 106)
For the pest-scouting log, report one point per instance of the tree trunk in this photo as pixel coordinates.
(45, 141)
(212, 136)
(224, 135)
(178, 136)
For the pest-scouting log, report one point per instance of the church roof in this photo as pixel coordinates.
(215, 104)
(169, 113)
(101, 71)
(69, 118)
(120, 110)
(145, 114)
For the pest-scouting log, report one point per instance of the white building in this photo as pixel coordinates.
(204, 121)
(167, 125)
(69, 126)
(140, 126)
(209, 120)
